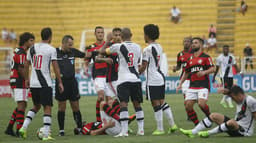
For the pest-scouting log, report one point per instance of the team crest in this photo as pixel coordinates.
(200, 61)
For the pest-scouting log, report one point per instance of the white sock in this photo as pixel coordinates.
(47, 124)
(140, 119)
(124, 117)
(205, 123)
(159, 118)
(221, 128)
(168, 112)
(30, 115)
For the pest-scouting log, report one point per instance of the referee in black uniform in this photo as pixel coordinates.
(66, 55)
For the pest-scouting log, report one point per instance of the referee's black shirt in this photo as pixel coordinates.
(66, 61)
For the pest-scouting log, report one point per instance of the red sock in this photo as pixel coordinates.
(193, 116)
(110, 111)
(13, 118)
(206, 110)
(20, 118)
(98, 119)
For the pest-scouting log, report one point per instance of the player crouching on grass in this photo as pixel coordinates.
(242, 125)
(109, 121)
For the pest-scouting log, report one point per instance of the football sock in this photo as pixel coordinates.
(13, 119)
(19, 118)
(159, 117)
(229, 100)
(124, 117)
(205, 123)
(47, 124)
(61, 119)
(30, 115)
(98, 119)
(168, 112)
(110, 111)
(193, 116)
(78, 118)
(140, 118)
(221, 128)
(116, 106)
(206, 110)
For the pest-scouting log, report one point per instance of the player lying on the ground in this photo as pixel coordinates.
(109, 121)
(242, 125)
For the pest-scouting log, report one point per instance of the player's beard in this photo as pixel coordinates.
(193, 50)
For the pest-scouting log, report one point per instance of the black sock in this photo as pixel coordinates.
(78, 118)
(61, 119)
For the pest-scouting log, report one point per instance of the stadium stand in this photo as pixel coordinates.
(73, 16)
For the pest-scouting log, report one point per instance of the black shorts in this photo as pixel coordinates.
(130, 89)
(234, 133)
(70, 90)
(228, 82)
(42, 96)
(155, 92)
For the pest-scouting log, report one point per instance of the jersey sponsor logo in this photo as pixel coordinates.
(196, 69)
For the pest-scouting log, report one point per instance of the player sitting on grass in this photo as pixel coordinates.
(109, 121)
(242, 125)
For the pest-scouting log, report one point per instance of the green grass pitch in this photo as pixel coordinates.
(87, 106)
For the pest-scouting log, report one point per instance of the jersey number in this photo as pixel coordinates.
(131, 56)
(37, 61)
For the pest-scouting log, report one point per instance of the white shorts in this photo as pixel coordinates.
(20, 94)
(100, 83)
(185, 86)
(195, 94)
(110, 131)
(111, 89)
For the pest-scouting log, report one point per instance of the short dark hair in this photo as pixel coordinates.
(236, 90)
(152, 31)
(116, 29)
(98, 27)
(25, 37)
(199, 39)
(225, 46)
(46, 33)
(66, 37)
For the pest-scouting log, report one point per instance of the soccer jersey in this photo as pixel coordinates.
(182, 59)
(66, 62)
(112, 71)
(90, 127)
(41, 55)
(152, 54)
(99, 69)
(129, 54)
(226, 63)
(18, 59)
(244, 115)
(196, 64)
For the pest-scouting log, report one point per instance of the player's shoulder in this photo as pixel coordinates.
(251, 100)
(19, 51)
(181, 53)
(204, 55)
(91, 46)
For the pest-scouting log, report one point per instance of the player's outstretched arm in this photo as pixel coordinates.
(100, 58)
(57, 74)
(215, 73)
(206, 72)
(103, 49)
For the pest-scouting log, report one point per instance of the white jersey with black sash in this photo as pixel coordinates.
(244, 116)
(40, 56)
(129, 55)
(226, 63)
(153, 54)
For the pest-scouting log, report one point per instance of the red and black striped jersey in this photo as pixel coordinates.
(18, 60)
(196, 64)
(99, 69)
(182, 59)
(87, 128)
(112, 71)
